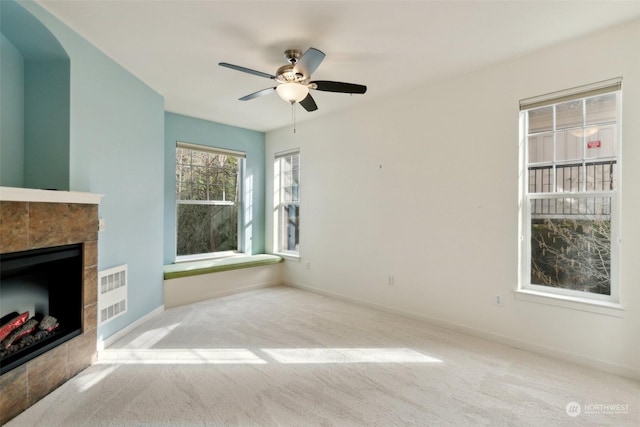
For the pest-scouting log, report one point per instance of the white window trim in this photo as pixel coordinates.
(567, 293)
(240, 233)
(607, 308)
(595, 303)
(278, 231)
(289, 256)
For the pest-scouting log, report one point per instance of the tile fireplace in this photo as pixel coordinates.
(45, 235)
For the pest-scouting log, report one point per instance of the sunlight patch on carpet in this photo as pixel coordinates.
(196, 356)
(349, 355)
(279, 355)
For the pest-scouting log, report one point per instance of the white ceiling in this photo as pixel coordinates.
(174, 46)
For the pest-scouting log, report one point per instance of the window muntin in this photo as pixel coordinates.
(570, 191)
(208, 201)
(287, 176)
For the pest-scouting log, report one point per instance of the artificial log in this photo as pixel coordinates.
(23, 330)
(13, 324)
(49, 323)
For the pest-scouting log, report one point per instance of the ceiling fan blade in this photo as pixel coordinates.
(309, 62)
(262, 92)
(246, 70)
(308, 103)
(329, 86)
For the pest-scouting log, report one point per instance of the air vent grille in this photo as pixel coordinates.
(112, 293)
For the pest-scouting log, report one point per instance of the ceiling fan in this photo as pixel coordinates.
(294, 79)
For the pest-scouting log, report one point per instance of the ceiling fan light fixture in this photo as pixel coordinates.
(292, 92)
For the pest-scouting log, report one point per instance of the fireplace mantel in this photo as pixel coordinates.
(13, 194)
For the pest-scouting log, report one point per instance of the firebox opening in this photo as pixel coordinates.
(43, 282)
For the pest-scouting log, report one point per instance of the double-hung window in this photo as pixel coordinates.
(208, 199)
(287, 197)
(569, 184)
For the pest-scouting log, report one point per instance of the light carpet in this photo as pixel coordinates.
(286, 357)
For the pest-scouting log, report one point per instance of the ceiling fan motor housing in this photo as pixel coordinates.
(288, 74)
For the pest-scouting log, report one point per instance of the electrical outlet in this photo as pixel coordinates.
(101, 224)
(307, 265)
(498, 300)
(390, 281)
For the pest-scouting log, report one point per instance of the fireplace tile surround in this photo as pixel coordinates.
(31, 219)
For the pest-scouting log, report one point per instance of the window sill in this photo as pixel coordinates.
(606, 308)
(185, 269)
(289, 256)
(209, 256)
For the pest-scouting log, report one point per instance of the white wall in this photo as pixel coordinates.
(424, 187)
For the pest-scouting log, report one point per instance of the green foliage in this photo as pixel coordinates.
(208, 194)
(206, 176)
(207, 228)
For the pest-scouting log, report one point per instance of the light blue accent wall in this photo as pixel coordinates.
(11, 115)
(39, 133)
(27, 33)
(116, 148)
(197, 131)
(46, 133)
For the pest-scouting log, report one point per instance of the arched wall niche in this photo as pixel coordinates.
(35, 97)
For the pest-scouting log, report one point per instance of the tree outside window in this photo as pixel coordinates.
(208, 196)
(570, 198)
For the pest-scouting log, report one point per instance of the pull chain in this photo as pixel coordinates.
(293, 115)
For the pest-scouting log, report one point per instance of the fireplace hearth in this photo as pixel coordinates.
(48, 257)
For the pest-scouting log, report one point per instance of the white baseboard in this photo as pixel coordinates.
(105, 343)
(523, 345)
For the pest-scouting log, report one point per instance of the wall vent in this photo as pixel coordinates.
(112, 293)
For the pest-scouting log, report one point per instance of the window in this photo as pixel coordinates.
(208, 198)
(570, 187)
(287, 198)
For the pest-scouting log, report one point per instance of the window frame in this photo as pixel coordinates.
(241, 156)
(280, 229)
(542, 293)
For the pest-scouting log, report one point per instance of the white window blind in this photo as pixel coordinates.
(213, 150)
(585, 91)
